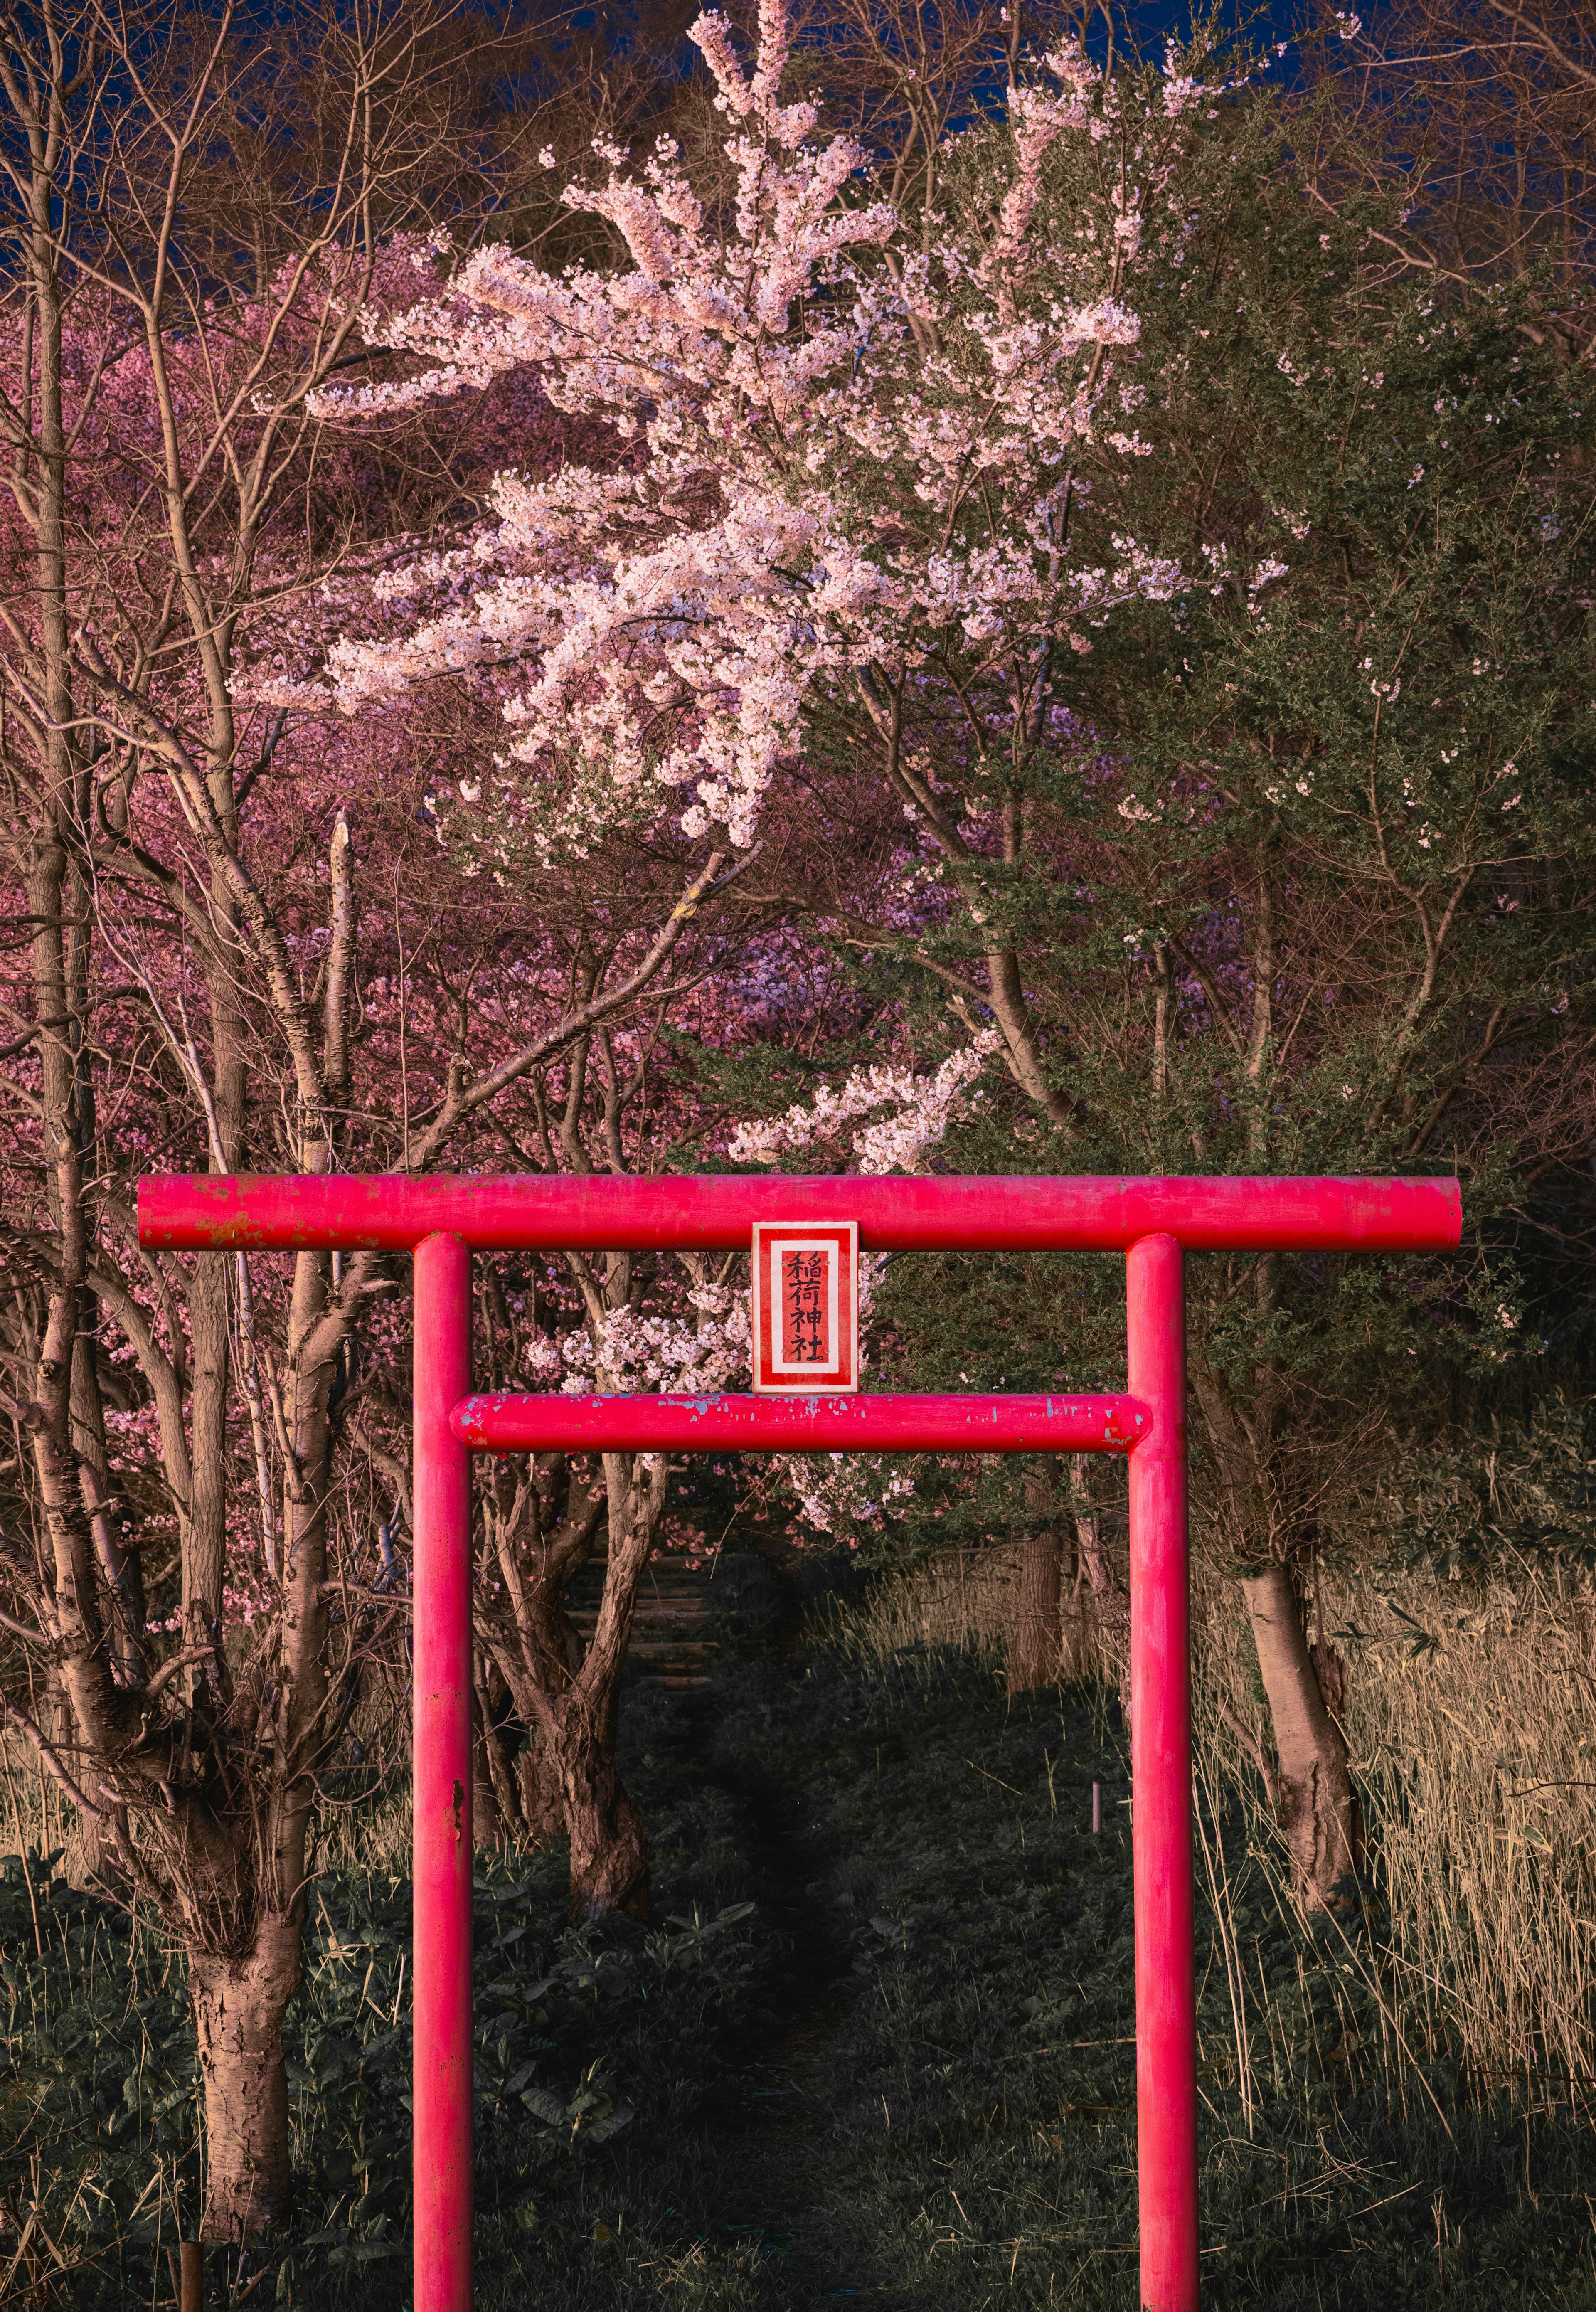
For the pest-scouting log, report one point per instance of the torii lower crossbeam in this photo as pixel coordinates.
(1150, 1221)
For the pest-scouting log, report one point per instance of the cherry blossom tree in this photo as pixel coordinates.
(854, 519)
(860, 502)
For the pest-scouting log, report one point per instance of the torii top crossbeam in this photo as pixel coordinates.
(1153, 1221)
(519, 1213)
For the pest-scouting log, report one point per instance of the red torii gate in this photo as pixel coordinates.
(1153, 1221)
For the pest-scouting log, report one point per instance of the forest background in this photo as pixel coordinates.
(856, 591)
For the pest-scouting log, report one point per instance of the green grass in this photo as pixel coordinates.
(904, 2076)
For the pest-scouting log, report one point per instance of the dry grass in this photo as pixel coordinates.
(370, 1832)
(959, 1601)
(1471, 1729)
(375, 1835)
(962, 1601)
(1468, 1720)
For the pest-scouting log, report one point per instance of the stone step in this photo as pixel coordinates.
(671, 1603)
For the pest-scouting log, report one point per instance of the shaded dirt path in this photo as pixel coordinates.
(774, 2142)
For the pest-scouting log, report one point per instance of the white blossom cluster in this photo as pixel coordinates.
(924, 1106)
(839, 457)
(689, 1356)
(698, 1352)
(836, 1490)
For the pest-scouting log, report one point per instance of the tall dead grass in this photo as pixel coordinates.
(959, 1601)
(1473, 1739)
(963, 1601)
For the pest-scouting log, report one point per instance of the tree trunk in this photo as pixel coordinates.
(610, 1857)
(515, 1801)
(1095, 1561)
(239, 2006)
(489, 1826)
(1034, 1636)
(541, 1522)
(204, 1551)
(542, 1791)
(1316, 1803)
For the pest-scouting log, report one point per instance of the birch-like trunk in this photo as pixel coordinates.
(1315, 1802)
(240, 2006)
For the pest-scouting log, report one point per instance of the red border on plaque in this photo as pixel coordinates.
(834, 1245)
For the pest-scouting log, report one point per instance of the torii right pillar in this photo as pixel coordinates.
(1160, 1779)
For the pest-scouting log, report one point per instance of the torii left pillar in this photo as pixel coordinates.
(444, 1848)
